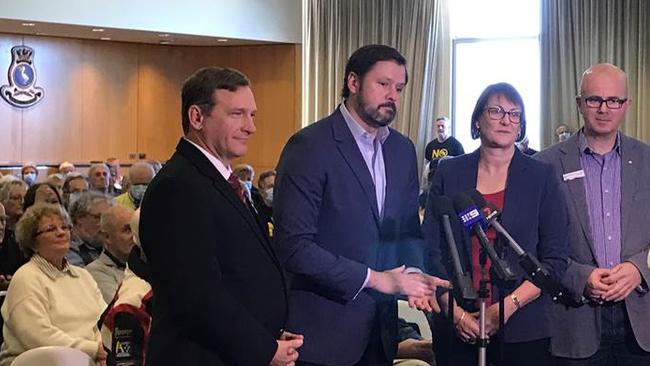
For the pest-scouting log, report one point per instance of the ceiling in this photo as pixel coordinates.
(116, 35)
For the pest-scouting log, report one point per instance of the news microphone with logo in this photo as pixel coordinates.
(443, 210)
(473, 221)
(530, 264)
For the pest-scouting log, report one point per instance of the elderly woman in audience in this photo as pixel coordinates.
(41, 193)
(49, 302)
(12, 196)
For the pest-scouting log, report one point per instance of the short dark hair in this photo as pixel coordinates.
(509, 92)
(363, 59)
(199, 88)
(263, 176)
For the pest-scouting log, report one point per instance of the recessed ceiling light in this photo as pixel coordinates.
(28, 24)
(98, 29)
(222, 40)
(105, 38)
(165, 42)
(163, 35)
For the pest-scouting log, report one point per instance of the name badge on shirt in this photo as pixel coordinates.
(573, 175)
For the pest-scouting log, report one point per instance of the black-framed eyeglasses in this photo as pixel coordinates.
(497, 113)
(596, 102)
(53, 229)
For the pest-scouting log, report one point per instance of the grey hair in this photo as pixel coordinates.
(27, 226)
(82, 206)
(5, 191)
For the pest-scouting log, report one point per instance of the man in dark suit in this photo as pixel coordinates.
(605, 177)
(220, 295)
(345, 210)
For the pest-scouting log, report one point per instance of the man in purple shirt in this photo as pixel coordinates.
(605, 177)
(346, 223)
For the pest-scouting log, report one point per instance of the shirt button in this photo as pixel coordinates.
(607, 214)
(607, 191)
(609, 237)
(611, 264)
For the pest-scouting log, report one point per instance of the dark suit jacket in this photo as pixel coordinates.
(328, 232)
(220, 296)
(576, 331)
(534, 214)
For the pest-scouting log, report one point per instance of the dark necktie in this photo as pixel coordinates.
(239, 190)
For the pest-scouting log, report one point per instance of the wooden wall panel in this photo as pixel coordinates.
(275, 93)
(162, 72)
(52, 129)
(10, 117)
(110, 100)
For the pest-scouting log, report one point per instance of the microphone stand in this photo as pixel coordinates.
(483, 294)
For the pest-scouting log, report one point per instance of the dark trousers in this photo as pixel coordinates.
(373, 355)
(618, 347)
(532, 353)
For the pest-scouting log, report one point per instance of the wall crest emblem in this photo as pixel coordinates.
(22, 91)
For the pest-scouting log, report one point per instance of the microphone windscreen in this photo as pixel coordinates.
(442, 206)
(477, 197)
(462, 202)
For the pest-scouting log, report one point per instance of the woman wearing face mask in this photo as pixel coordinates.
(29, 173)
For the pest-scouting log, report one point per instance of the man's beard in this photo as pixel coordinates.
(373, 116)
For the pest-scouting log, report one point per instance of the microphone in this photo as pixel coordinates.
(472, 219)
(443, 210)
(530, 264)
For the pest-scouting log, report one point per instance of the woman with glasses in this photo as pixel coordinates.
(527, 194)
(49, 302)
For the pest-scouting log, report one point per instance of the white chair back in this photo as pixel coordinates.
(414, 316)
(53, 356)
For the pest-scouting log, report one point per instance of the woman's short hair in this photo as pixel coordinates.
(30, 196)
(5, 192)
(507, 91)
(27, 226)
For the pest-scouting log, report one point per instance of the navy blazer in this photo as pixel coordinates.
(534, 213)
(328, 233)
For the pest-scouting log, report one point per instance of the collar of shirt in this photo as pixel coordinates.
(50, 270)
(224, 170)
(110, 260)
(584, 146)
(358, 132)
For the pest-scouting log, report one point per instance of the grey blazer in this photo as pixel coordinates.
(576, 330)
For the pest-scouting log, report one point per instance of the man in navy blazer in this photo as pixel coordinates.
(605, 177)
(346, 222)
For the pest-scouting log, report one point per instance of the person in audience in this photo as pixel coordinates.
(527, 194)
(156, 165)
(86, 214)
(139, 177)
(7, 178)
(245, 173)
(4, 278)
(563, 132)
(12, 196)
(220, 289)
(412, 349)
(115, 181)
(127, 320)
(346, 220)
(524, 148)
(74, 186)
(264, 201)
(50, 302)
(443, 145)
(99, 178)
(41, 193)
(108, 269)
(606, 178)
(29, 173)
(57, 181)
(66, 168)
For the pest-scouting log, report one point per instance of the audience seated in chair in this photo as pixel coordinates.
(50, 302)
(108, 269)
(86, 213)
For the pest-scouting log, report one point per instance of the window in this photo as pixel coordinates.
(495, 41)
